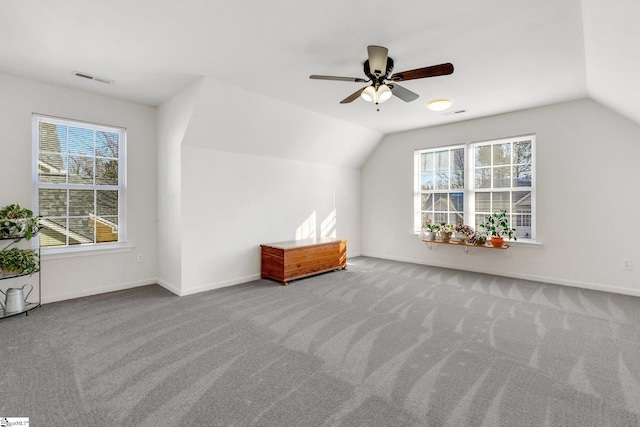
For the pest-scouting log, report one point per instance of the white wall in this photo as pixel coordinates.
(173, 119)
(70, 277)
(587, 197)
(256, 170)
(233, 202)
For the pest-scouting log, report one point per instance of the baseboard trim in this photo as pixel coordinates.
(218, 285)
(96, 291)
(533, 277)
(173, 289)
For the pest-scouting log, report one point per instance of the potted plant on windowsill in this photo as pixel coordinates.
(17, 222)
(18, 261)
(463, 232)
(431, 230)
(446, 230)
(497, 226)
(478, 238)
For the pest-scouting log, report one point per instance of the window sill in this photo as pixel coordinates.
(89, 250)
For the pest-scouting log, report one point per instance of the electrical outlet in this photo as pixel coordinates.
(626, 264)
(140, 257)
(391, 240)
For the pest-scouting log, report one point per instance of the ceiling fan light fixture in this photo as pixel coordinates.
(384, 93)
(439, 104)
(368, 94)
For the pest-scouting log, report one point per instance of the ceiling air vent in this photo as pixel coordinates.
(90, 77)
(451, 113)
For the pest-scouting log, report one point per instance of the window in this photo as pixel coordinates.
(79, 182)
(499, 175)
(440, 196)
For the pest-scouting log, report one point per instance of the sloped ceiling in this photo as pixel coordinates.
(508, 54)
(612, 54)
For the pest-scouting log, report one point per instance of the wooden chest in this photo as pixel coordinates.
(296, 259)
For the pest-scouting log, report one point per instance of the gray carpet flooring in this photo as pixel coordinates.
(382, 343)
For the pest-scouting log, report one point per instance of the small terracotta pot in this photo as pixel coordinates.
(497, 242)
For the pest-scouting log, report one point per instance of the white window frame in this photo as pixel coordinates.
(470, 191)
(418, 182)
(120, 187)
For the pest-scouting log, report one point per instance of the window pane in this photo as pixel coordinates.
(483, 178)
(427, 202)
(442, 180)
(426, 181)
(457, 179)
(80, 231)
(522, 202)
(53, 232)
(50, 136)
(502, 177)
(457, 159)
(51, 164)
(522, 176)
(106, 229)
(440, 217)
(80, 141)
(483, 156)
(107, 203)
(441, 202)
(442, 161)
(483, 202)
(425, 216)
(106, 172)
(455, 218)
(52, 202)
(522, 224)
(522, 152)
(107, 144)
(500, 201)
(502, 154)
(426, 162)
(80, 170)
(457, 202)
(51, 168)
(480, 218)
(81, 203)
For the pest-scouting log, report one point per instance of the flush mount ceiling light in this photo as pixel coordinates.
(439, 104)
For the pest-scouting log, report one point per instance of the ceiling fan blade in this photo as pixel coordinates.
(378, 60)
(355, 95)
(403, 93)
(421, 73)
(341, 79)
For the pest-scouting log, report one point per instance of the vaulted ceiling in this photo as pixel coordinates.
(508, 54)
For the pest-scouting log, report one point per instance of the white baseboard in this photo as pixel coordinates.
(533, 277)
(218, 285)
(96, 291)
(168, 286)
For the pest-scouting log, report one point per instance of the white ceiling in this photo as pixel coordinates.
(508, 54)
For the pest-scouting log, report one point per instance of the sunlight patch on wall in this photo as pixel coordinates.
(328, 226)
(307, 230)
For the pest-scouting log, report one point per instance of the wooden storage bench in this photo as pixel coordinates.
(296, 259)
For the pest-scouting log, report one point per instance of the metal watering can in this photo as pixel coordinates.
(15, 300)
